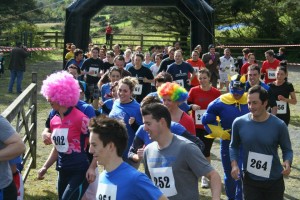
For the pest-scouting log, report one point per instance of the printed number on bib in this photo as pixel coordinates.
(164, 179)
(272, 74)
(60, 139)
(106, 192)
(198, 116)
(281, 107)
(196, 69)
(180, 82)
(138, 89)
(94, 71)
(259, 164)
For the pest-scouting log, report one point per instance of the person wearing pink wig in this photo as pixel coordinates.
(68, 134)
(172, 95)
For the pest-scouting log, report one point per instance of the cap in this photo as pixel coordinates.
(211, 46)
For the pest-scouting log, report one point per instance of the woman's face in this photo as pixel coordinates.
(204, 80)
(114, 76)
(280, 75)
(251, 59)
(169, 103)
(124, 93)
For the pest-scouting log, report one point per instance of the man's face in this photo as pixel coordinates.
(119, 64)
(268, 57)
(226, 53)
(101, 55)
(255, 105)
(95, 53)
(171, 55)
(253, 77)
(178, 57)
(195, 56)
(152, 126)
(99, 152)
(109, 58)
(237, 93)
(79, 57)
(212, 50)
(138, 60)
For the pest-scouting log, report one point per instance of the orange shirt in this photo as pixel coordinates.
(196, 65)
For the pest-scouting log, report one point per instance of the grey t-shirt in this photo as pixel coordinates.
(181, 163)
(5, 172)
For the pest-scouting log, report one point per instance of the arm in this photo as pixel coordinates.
(163, 197)
(216, 185)
(90, 174)
(46, 135)
(49, 162)
(286, 147)
(134, 153)
(194, 139)
(292, 100)
(234, 152)
(14, 147)
(235, 170)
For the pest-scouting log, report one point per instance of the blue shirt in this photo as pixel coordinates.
(131, 184)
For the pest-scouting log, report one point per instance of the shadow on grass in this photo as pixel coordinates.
(286, 196)
(47, 196)
(295, 120)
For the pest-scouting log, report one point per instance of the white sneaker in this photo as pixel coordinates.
(204, 182)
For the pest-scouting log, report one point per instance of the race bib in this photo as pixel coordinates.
(60, 139)
(163, 178)
(281, 107)
(94, 71)
(196, 69)
(198, 116)
(180, 82)
(138, 89)
(106, 192)
(271, 73)
(259, 164)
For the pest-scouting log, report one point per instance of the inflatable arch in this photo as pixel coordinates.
(80, 12)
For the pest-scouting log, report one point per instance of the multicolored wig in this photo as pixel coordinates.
(175, 91)
(61, 88)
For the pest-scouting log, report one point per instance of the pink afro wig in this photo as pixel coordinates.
(61, 88)
(175, 91)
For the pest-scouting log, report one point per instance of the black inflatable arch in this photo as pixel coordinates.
(80, 12)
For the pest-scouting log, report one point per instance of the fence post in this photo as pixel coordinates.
(56, 39)
(34, 119)
(142, 41)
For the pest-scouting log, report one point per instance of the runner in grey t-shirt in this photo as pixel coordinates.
(11, 146)
(173, 163)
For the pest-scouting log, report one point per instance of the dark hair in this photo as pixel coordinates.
(130, 81)
(140, 55)
(110, 130)
(114, 68)
(111, 53)
(250, 54)
(150, 99)
(254, 67)
(163, 77)
(282, 68)
(283, 63)
(160, 55)
(158, 111)
(205, 71)
(119, 57)
(73, 66)
(77, 52)
(246, 50)
(96, 48)
(263, 94)
(270, 52)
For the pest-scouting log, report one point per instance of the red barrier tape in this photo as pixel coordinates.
(258, 46)
(8, 49)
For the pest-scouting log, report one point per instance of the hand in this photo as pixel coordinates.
(286, 168)
(210, 61)
(90, 175)
(281, 98)
(195, 107)
(46, 138)
(41, 173)
(145, 80)
(140, 153)
(131, 120)
(235, 173)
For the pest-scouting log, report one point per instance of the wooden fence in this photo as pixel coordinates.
(22, 114)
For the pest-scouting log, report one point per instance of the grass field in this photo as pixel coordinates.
(46, 189)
